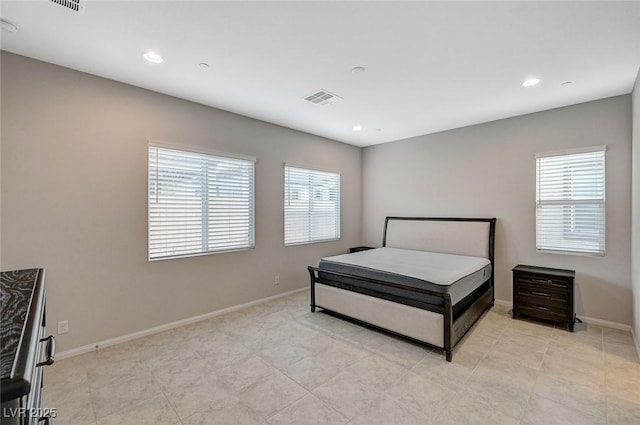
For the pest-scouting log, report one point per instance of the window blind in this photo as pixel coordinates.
(199, 203)
(311, 205)
(570, 202)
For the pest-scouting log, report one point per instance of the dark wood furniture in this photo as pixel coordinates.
(359, 248)
(544, 293)
(24, 348)
(456, 319)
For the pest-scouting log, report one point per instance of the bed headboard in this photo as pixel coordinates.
(463, 236)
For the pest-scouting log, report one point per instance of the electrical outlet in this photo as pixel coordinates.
(276, 280)
(63, 327)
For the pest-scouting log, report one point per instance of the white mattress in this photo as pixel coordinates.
(410, 272)
(438, 268)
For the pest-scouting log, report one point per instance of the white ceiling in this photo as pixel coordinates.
(430, 66)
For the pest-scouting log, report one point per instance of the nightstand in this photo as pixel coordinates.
(359, 248)
(544, 293)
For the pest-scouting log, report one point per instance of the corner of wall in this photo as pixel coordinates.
(635, 210)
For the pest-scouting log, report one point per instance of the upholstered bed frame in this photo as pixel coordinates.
(439, 323)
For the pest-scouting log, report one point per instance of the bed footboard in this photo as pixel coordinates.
(436, 325)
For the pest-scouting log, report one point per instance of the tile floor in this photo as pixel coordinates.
(277, 363)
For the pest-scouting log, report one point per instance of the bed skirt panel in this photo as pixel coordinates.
(423, 325)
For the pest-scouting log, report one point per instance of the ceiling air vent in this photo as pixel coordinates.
(75, 5)
(323, 97)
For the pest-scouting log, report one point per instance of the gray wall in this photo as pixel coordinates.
(74, 192)
(635, 211)
(488, 170)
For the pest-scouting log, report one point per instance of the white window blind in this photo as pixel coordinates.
(199, 203)
(311, 205)
(570, 202)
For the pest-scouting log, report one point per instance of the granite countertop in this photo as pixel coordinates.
(16, 293)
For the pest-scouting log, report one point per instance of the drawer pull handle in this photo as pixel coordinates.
(537, 307)
(51, 351)
(542, 294)
(547, 281)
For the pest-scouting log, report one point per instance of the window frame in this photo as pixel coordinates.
(338, 200)
(205, 230)
(572, 203)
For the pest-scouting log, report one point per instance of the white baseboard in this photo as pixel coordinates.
(636, 342)
(157, 329)
(503, 303)
(587, 319)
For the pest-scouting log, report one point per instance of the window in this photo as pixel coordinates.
(570, 202)
(199, 203)
(311, 205)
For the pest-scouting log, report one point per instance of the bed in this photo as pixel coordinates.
(430, 281)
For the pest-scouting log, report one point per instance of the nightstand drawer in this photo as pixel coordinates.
(554, 304)
(544, 282)
(542, 312)
(542, 291)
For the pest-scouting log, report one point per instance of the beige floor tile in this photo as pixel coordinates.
(521, 348)
(622, 412)
(389, 411)
(74, 412)
(70, 371)
(505, 386)
(222, 351)
(188, 400)
(244, 373)
(128, 392)
(580, 339)
(112, 365)
(580, 367)
(453, 375)
(155, 411)
(378, 372)
(614, 351)
(583, 349)
(331, 324)
(309, 410)
(271, 393)
(315, 370)
(587, 399)
(425, 395)
(347, 394)
(403, 352)
(533, 328)
(491, 325)
(624, 383)
(229, 411)
(60, 393)
(617, 336)
(542, 411)
(465, 410)
(280, 356)
(589, 329)
(182, 373)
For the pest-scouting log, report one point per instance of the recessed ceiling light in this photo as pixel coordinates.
(203, 65)
(378, 129)
(8, 25)
(358, 70)
(567, 83)
(531, 82)
(357, 128)
(153, 57)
